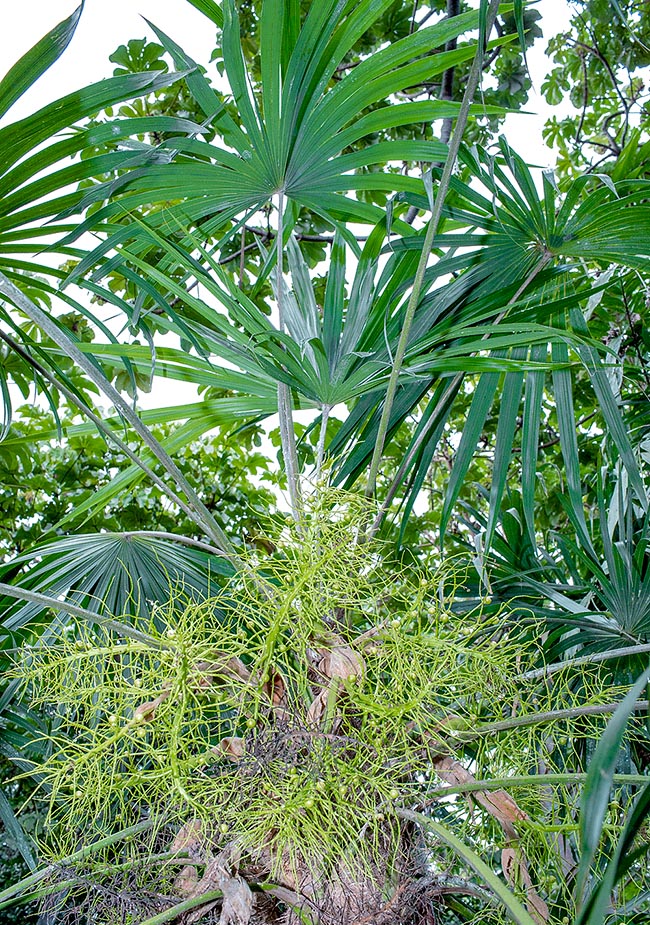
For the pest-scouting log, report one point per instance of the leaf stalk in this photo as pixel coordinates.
(432, 228)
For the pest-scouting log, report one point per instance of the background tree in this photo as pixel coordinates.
(600, 65)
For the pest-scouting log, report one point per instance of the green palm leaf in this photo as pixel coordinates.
(39, 170)
(115, 573)
(292, 134)
(511, 275)
(37, 60)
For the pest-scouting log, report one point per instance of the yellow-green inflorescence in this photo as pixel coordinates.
(296, 712)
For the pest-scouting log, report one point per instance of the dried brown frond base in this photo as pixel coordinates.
(399, 892)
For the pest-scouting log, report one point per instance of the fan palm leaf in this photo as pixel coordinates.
(511, 277)
(121, 573)
(41, 175)
(294, 135)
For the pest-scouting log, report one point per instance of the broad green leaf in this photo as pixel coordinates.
(596, 910)
(37, 60)
(596, 793)
(616, 427)
(39, 602)
(199, 86)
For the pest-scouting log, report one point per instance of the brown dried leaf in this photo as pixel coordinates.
(216, 874)
(197, 914)
(317, 709)
(229, 666)
(234, 666)
(515, 870)
(497, 803)
(188, 838)
(204, 675)
(232, 747)
(341, 662)
(185, 882)
(501, 805)
(146, 712)
(536, 906)
(215, 877)
(275, 689)
(509, 865)
(237, 900)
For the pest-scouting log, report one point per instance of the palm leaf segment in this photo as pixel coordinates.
(40, 170)
(111, 573)
(600, 594)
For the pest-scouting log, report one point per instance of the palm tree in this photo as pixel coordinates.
(287, 734)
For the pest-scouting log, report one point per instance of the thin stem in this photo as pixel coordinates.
(58, 886)
(447, 83)
(432, 228)
(586, 660)
(284, 895)
(527, 780)
(320, 451)
(18, 889)
(202, 517)
(123, 629)
(287, 432)
(242, 254)
(596, 709)
(636, 338)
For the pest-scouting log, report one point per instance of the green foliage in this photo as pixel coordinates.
(595, 803)
(12, 865)
(37, 60)
(297, 713)
(291, 135)
(309, 717)
(44, 481)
